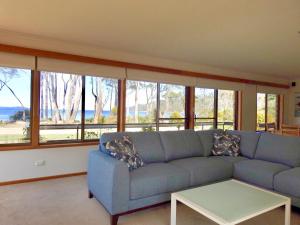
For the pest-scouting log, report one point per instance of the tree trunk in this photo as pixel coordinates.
(56, 117)
(116, 96)
(136, 101)
(42, 97)
(46, 97)
(98, 95)
(72, 97)
(76, 99)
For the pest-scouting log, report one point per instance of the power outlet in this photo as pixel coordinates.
(40, 163)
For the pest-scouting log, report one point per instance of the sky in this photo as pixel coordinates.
(21, 86)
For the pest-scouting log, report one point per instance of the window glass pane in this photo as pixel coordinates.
(226, 112)
(172, 107)
(261, 111)
(15, 105)
(141, 106)
(60, 107)
(101, 106)
(204, 108)
(272, 108)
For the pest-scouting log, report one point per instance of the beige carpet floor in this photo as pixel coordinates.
(65, 202)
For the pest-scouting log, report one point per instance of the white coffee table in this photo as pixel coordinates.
(230, 202)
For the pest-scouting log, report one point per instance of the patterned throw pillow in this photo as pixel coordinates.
(226, 144)
(124, 150)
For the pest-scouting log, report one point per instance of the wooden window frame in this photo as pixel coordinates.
(82, 124)
(35, 119)
(189, 96)
(189, 120)
(236, 111)
(157, 117)
(279, 110)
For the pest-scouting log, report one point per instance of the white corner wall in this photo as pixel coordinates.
(15, 165)
(249, 108)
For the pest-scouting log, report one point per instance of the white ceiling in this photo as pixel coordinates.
(255, 36)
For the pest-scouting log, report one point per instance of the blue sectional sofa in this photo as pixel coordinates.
(177, 160)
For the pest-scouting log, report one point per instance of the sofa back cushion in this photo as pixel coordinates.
(249, 141)
(181, 144)
(207, 140)
(147, 144)
(279, 149)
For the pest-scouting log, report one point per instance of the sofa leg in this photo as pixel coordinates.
(114, 219)
(91, 194)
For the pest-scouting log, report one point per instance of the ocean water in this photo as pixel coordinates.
(6, 112)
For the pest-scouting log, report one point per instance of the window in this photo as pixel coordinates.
(267, 111)
(141, 106)
(60, 107)
(215, 109)
(204, 109)
(154, 106)
(171, 107)
(226, 109)
(66, 116)
(101, 106)
(15, 105)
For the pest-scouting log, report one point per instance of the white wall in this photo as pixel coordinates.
(249, 108)
(291, 104)
(16, 165)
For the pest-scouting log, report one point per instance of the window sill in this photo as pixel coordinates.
(46, 146)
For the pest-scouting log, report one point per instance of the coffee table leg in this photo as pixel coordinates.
(173, 210)
(288, 213)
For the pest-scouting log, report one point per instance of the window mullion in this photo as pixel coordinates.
(83, 108)
(216, 108)
(35, 108)
(157, 106)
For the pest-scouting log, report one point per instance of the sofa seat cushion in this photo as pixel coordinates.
(203, 170)
(258, 172)
(279, 149)
(157, 178)
(288, 182)
(232, 159)
(181, 144)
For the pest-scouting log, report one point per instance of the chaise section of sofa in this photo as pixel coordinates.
(274, 155)
(258, 172)
(288, 183)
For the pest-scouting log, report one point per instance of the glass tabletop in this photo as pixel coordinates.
(232, 200)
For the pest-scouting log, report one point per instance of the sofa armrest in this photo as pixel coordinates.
(108, 180)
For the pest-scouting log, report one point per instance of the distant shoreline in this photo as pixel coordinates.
(7, 112)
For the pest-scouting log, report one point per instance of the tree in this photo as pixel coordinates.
(52, 87)
(6, 75)
(101, 92)
(151, 91)
(63, 92)
(72, 97)
(176, 116)
(19, 115)
(112, 87)
(134, 86)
